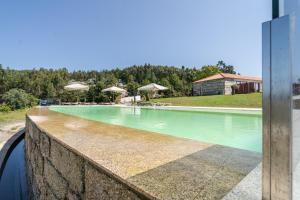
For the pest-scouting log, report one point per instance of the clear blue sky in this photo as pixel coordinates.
(103, 34)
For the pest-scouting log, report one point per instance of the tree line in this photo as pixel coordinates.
(49, 83)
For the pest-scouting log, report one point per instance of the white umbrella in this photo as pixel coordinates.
(77, 86)
(152, 87)
(114, 90)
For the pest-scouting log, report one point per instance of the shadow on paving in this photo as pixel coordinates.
(207, 174)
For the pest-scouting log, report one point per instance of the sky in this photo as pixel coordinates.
(105, 34)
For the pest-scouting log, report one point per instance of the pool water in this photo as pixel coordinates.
(13, 180)
(242, 131)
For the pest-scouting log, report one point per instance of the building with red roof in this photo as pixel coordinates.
(227, 84)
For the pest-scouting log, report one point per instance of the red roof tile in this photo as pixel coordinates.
(231, 76)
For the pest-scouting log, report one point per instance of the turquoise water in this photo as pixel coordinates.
(242, 131)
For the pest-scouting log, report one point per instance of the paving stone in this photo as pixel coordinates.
(206, 174)
(249, 188)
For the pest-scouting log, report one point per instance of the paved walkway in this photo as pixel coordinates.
(7, 129)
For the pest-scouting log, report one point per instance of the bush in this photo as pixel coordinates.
(19, 99)
(4, 108)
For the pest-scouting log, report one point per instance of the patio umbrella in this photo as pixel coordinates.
(152, 87)
(114, 90)
(76, 86)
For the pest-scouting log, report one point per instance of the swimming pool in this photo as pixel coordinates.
(243, 131)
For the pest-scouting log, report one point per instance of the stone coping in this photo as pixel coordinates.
(159, 166)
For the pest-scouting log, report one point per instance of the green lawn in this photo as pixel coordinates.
(13, 115)
(253, 100)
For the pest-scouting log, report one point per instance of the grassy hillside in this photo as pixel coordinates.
(13, 115)
(253, 100)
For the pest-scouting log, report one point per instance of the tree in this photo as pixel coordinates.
(49, 83)
(165, 82)
(208, 70)
(2, 80)
(225, 68)
(221, 64)
(50, 90)
(132, 88)
(91, 94)
(19, 99)
(228, 69)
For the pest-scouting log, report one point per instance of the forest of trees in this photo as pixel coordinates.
(48, 83)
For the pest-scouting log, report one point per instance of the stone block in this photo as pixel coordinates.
(36, 134)
(31, 156)
(37, 164)
(45, 145)
(35, 191)
(100, 186)
(55, 181)
(29, 175)
(72, 196)
(70, 165)
(47, 194)
(28, 144)
(29, 128)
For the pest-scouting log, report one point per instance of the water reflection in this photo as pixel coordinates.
(13, 182)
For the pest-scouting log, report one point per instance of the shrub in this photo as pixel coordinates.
(18, 99)
(4, 108)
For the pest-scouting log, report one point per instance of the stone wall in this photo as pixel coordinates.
(222, 86)
(227, 87)
(55, 171)
(208, 88)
